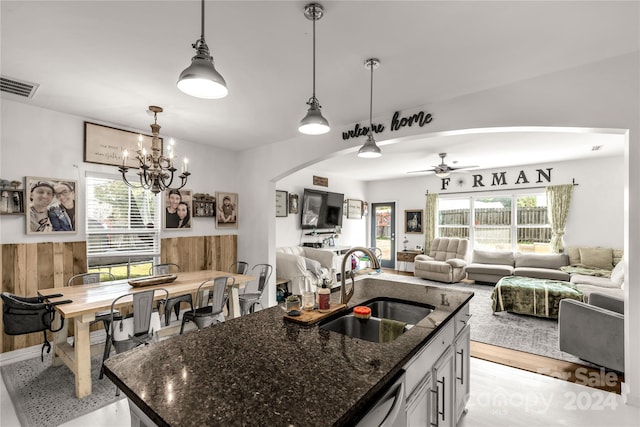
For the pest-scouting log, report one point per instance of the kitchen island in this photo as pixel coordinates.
(260, 369)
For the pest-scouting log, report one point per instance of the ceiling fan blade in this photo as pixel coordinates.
(426, 170)
(462, 167)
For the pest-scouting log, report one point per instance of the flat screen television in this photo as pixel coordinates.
(321, 209)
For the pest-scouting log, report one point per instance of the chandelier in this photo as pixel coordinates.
(155, 171)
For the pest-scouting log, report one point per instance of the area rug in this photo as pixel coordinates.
(515, 331)
(43, 395)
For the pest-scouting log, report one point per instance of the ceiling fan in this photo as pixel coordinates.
(443, 170)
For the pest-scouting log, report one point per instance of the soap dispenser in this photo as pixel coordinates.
(324, 296)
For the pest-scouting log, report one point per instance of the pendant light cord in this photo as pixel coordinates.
(202, 22)
(371, 100)
(314, 52)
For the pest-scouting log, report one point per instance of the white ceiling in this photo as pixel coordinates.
(109, 60)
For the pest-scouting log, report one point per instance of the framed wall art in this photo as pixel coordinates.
(53, 206)
(293, 203)
(354, 208)
(282, 204)
(226, 210)
(204, 205)
(104, 145)
(178, 209)
(413, 221)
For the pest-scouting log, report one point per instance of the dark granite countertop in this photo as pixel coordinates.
(262, 370)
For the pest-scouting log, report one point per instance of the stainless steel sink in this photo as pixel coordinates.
(364, 329)
(399, 310)
(381, 308)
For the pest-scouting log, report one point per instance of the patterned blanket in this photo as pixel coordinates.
(536, 297)
(586, 270)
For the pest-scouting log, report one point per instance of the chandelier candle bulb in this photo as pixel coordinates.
(139, 142)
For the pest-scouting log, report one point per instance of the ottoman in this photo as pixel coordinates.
(532, 296)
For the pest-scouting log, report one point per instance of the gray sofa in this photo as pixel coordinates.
(491, 266)
(604, 342)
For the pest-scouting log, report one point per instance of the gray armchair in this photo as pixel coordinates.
(602, 342)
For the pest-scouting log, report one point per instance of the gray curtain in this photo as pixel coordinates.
(558, 201)
(430, 220)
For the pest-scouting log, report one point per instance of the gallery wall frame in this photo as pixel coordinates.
(293, 203)
(354, 208)
(104, 145)
(175, 202)
(226, 210)
(53, 205)
(413, 221)
(282, 204)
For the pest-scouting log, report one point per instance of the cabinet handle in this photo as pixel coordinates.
(436, 392)
(444, 396)
(461, 377)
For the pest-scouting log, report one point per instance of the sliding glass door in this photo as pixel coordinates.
(383, 234)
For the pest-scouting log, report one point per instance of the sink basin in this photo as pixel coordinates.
(381, 308)
(402, 311)
(364, 329)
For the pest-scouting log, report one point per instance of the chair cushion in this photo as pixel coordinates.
(314, 266)
(443, 248)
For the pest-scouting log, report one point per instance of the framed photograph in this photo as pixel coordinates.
(354, 208)
(365, 208)
(293, 203)
(178, 209)
(204, 205)
(282, 204)
(104, 145)
(413, 221)
(419, 248)
(52, 206)
(226, 210)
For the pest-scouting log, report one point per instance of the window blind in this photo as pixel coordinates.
(121, 222)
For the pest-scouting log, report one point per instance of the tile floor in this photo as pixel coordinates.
(500, 396)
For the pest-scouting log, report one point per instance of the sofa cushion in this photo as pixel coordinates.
(597, 257)
(313, 266)
(617, 274)
(491, 269)
(541, 273)
(554, 261)
(493, 257)
(602, 282)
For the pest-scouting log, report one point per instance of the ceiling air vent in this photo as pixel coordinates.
(17, 87)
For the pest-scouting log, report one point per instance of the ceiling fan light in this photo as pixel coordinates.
(202, 80)
(314, 123)
(369, 150)
(442, 174)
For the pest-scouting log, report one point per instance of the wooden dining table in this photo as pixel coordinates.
(87, 300)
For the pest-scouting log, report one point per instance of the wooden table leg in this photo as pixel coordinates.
(82, 360)
(235, 303)
(59, 338)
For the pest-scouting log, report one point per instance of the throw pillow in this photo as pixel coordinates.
(617, 274)
(597, 257)
(313, 266)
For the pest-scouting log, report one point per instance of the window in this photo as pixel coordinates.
(123, 227)
(491, 223)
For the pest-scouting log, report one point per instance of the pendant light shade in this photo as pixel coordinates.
(200, 79)
(370, 150)
(314, 123)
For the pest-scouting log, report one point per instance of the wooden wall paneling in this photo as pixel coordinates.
(45, 264)
(78, 260)
(58, 267)
(228, 251)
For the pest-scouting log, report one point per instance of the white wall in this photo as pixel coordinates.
(288, 229)
(596, 215)
(45, 143)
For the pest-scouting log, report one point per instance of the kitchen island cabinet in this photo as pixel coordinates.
(260, 369)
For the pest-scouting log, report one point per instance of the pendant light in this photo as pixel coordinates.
(314, 123)
(200, 79)
(370, 149)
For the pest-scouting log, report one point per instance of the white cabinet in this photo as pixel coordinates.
(437, 377)
(418, 404)
(442, 391)
(462, 360)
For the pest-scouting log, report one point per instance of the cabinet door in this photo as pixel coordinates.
(418, 404)
(442, 414)
(462, 360)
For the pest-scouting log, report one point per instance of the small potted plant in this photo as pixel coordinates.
(292, 302)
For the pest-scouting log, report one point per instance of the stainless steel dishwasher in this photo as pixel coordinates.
(389, 410)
